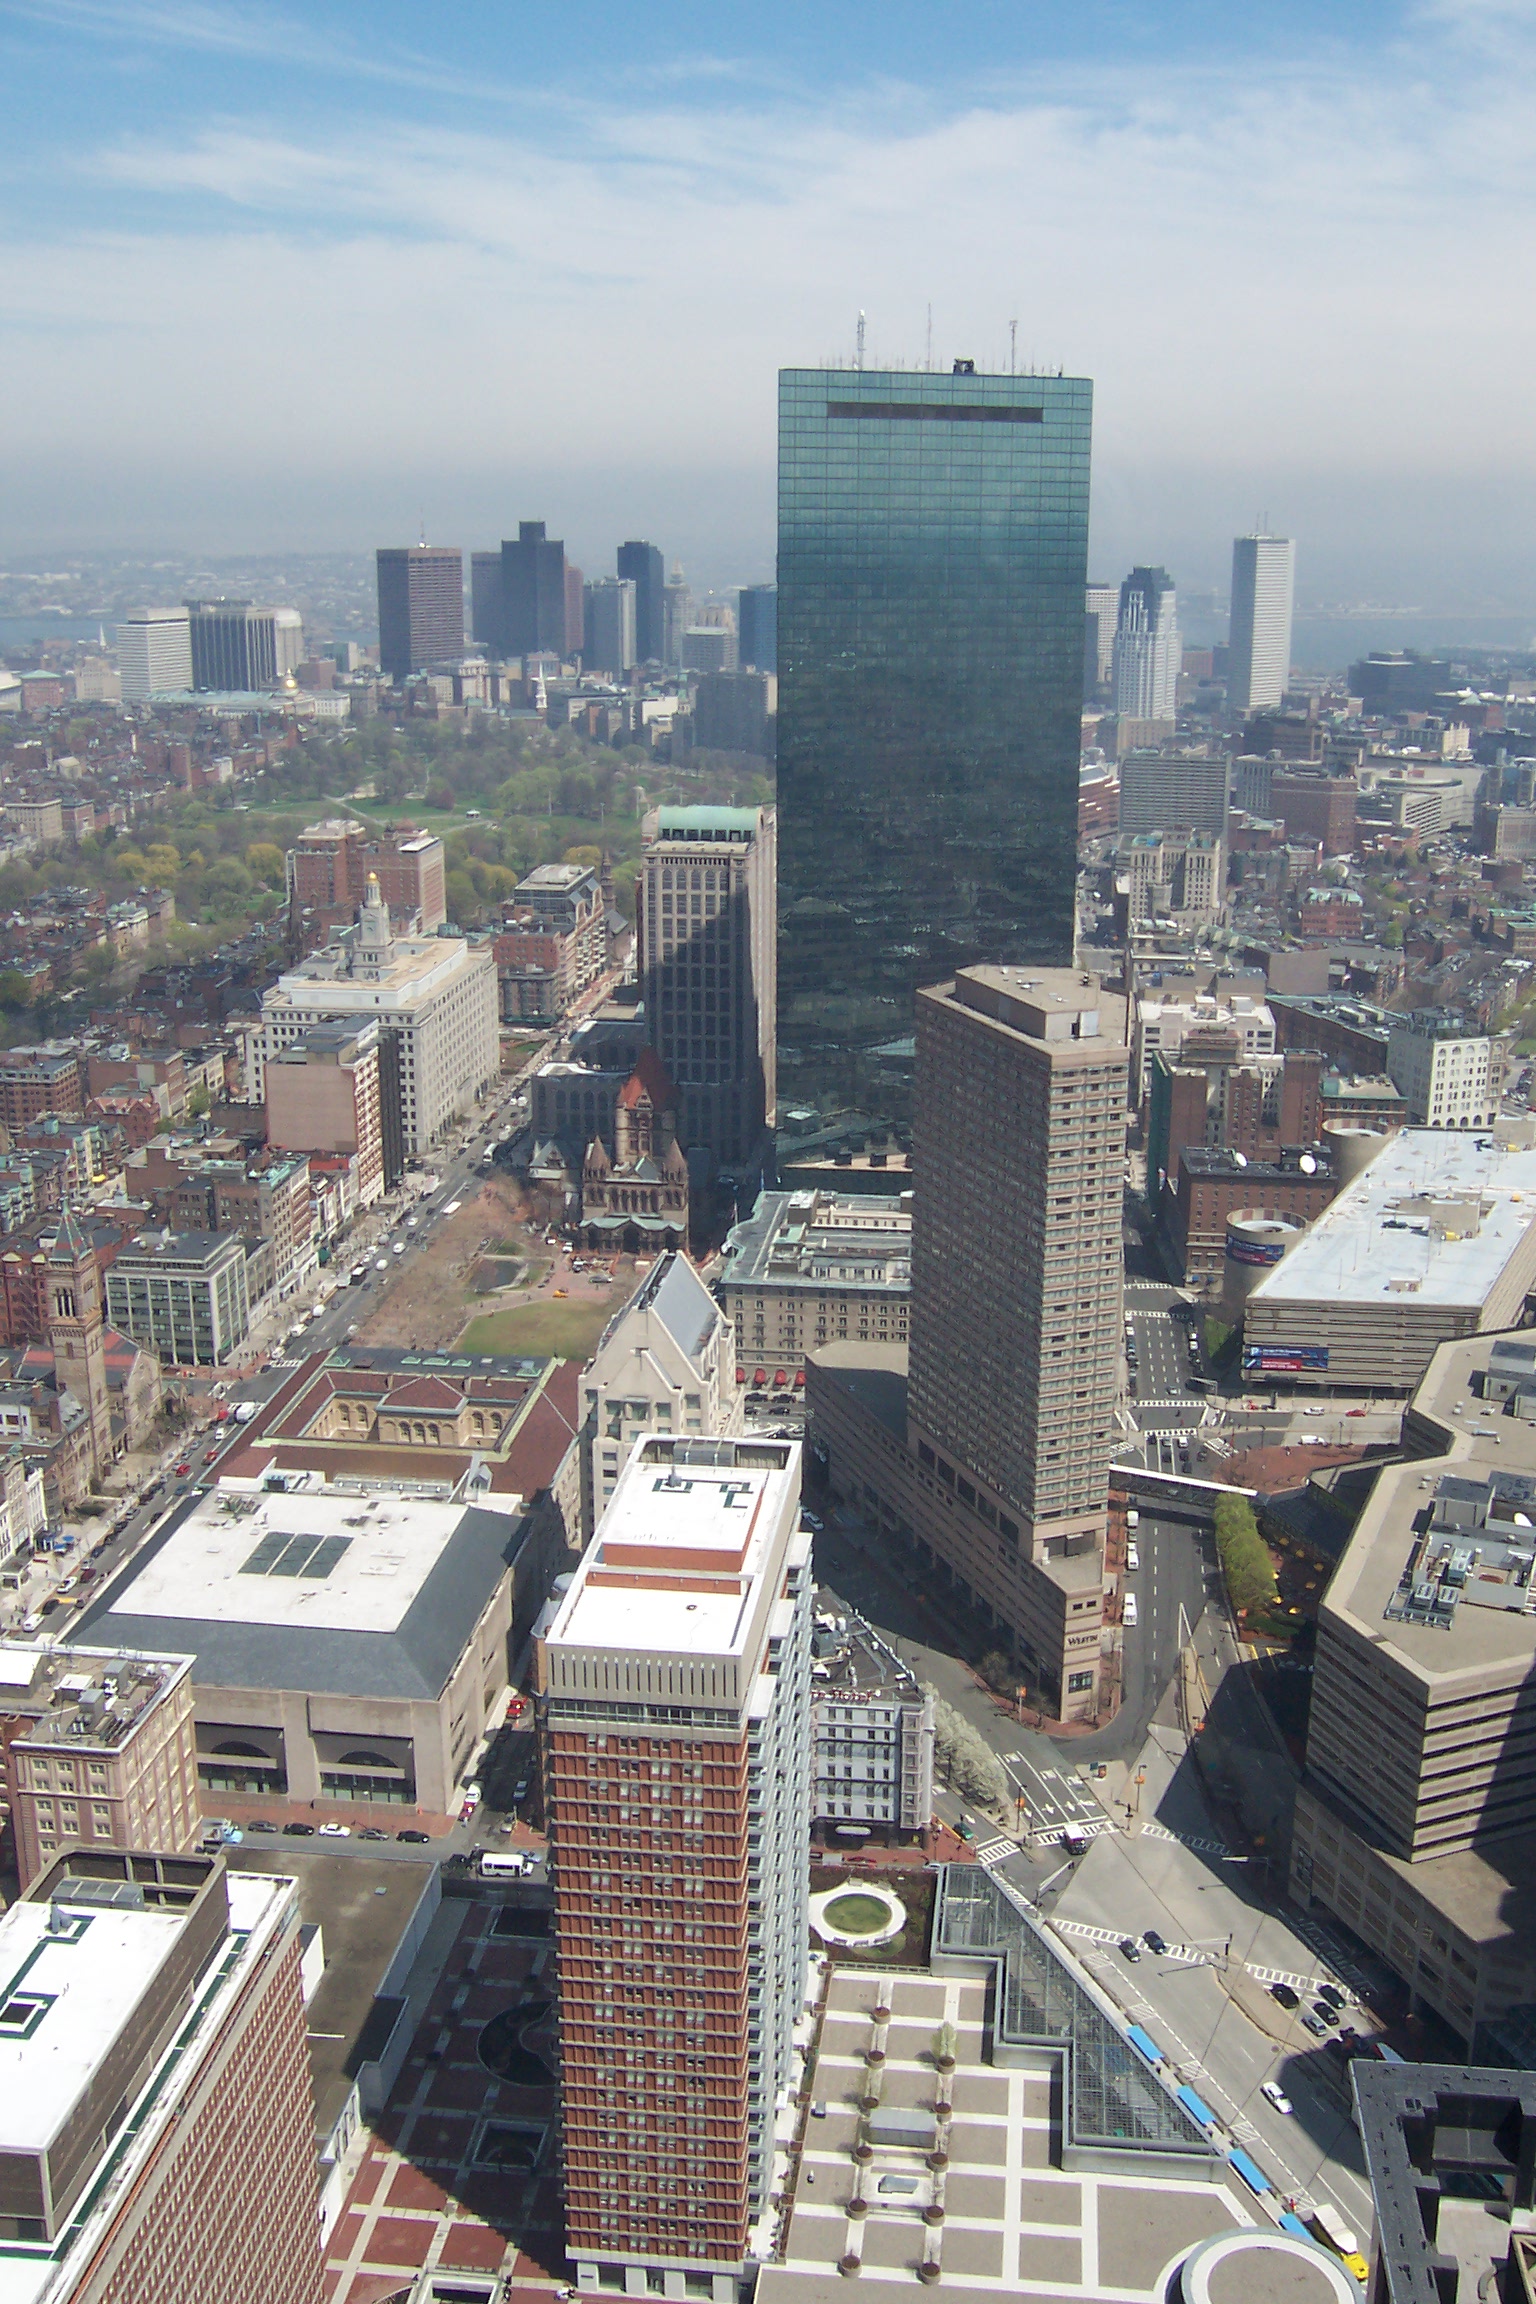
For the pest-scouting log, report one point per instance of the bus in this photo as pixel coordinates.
(510, 1866)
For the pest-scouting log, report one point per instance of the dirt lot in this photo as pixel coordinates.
(438, 1299)
(427, 1304)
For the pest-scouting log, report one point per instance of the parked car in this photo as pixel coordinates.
(372, 1832)
(1152, 1940)
(519, 1791)
(1327, 1992)
(1130, 1947)
(1286, 1997)
(1132, 1558)
(210, 1455)
(335, 1831)
(298, 1831)
(182, 1469)
(1276, 2095)
(1130, 1609)
(1309, 2023)
(1324, 2014)
(261, 1824)
(416, 1839)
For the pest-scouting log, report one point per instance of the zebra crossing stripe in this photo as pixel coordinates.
(993, 1851)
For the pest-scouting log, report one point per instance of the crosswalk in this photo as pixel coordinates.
(1190, 1955)
(994, 1851)
(1186, 1840)
(290, 1363)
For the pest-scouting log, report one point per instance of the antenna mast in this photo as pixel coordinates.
(1013, 347)
(858, 358)
(928, 356)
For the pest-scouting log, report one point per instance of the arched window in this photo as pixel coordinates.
(363, 1757)
(235, 1750)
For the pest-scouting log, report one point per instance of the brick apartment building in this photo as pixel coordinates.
(1214, 1183)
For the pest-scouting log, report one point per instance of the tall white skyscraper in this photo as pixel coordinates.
(1147, 647)
(1103, 605)
(1263, 586)
(154, 653)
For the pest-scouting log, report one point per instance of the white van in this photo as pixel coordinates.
(508, 1866)
(1130, 1608)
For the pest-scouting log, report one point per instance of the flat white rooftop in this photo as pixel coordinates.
(677, 1562)
(92, 1981)
(309, 1558)
(1379, 1241)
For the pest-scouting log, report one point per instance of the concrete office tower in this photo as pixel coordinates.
(533, 601)
(1259, 650)
(1103, 610)
(421, 607)
(1174, 792)
(156, 2032)
(706, 903)
(1018, 1148)
(642, 565)
(677, 614)
(933, 536)
(323, 1096)
(1147, 647)
(608, 640)
(757, 630)
(154, 653)
(675, 1718)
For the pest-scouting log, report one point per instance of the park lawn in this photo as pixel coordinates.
(557, 1331)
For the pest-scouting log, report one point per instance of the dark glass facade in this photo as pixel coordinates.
(933, 535)
(643, 565)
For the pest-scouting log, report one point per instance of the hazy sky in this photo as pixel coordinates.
(299, 276)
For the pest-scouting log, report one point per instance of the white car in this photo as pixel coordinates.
(1130, 1608)
(1132, 1558)
(335, 1831)
(1273, 2093)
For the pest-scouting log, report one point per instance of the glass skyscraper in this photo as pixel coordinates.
(933, 544)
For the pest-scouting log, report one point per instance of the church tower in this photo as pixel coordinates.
(75, 1325)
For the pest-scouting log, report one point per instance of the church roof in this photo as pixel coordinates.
(71, 1246)
(650, 1077)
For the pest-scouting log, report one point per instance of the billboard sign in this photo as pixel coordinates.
(1285, 1359)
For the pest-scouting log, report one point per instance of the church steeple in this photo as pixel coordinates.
(75, 1331)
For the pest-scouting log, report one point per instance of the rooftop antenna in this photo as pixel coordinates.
(421, 529)
(858, 357)
(1013, 347)
(928, 357)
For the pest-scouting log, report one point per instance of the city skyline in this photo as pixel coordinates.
(234, 214)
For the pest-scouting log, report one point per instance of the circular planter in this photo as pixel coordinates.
(858, 2208)
(874, 2055)
(928, 2272)
(849, 2266)
(869, 2103)
(933, 2214)
(938, 2160)
(943, 2063)
(882, 2014)
(868, 1914)
(863, 2154)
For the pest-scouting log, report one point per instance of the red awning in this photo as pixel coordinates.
(781, 1376)
(799, 1375)
(761, 1376)
(741, 1375)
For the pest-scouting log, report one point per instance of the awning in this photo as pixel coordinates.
(799, 1375)
(781, 1376)
(741, 1375)
(761, 1376)
(852, 1831)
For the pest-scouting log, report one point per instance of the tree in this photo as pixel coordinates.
(1245, 1558)
(264, 860)
(966, 1759)
(198, 1103)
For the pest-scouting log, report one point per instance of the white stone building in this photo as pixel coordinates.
(666, 1363)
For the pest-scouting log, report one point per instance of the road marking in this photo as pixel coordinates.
(994, 1851)
(1186, 1840)
(1186, 1953)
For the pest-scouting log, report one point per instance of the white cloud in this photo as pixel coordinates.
(1307, 287)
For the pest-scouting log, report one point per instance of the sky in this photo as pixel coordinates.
(312, 276)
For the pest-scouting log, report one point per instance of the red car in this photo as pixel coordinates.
(209, 1454)
(182, 1470)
